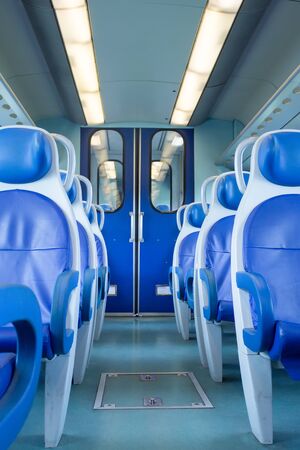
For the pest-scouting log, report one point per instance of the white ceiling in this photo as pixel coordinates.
(142, 48)
(270, 57)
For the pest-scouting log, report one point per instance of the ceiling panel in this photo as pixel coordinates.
(244, 26)
(142, 48)
(142, 101)
(35, 92)
(269, 58)
(23, 65)
(43, 21)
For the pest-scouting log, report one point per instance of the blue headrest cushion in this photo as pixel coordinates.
(163, 208)
(72, 193)
(25, 155)
(106, 207)
(228, 192)
(181, 216)
(63, 176)
(195, 216)
(279, 158)
(91, 215)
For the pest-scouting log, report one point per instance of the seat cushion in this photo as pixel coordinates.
(35, 248)
(286, 347)
(7, 365)
(35, 245)
(272, 249)
(84, 261)
(8, 340)
(99, 250)
(218, 248)
(186, 255)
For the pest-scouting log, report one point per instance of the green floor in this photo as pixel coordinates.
(148, 344)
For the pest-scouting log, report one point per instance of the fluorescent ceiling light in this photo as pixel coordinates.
(96, 140)
(159, 170)
(110, 170)
(155, 169)
(177, 141)
(74, 24)
(215, 25)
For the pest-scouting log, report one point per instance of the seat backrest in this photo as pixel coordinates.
(217, 229)
(163, 208)
(75, 196)
(270, 221)
(100, 242)
(38, 239)
(185, 245)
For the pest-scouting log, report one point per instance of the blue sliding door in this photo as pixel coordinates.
(107, 160)
(140, 177)
(167, 182)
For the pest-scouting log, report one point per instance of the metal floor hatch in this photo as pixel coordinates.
(159, 390)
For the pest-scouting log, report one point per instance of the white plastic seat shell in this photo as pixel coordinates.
(59, 371)
(256, 370)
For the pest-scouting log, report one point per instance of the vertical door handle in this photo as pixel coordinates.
(141, 238)
(131, 227)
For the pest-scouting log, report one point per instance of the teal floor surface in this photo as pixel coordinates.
(153, 345)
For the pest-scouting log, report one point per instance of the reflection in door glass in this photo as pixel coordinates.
(106, 169)
(167, 168)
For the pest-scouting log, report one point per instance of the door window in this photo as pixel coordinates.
(106, 169)
(167, 171)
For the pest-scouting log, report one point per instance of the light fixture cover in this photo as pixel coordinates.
(217, 19)
(74, 24)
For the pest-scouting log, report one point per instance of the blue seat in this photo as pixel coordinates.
(215, 293)
(19, 374)
(85, 311)
(218, 249)
(38, 243)
(266, 257)
(163, 208)
(88, 276)
(106, 207)
(97, 222)
(186, 259)
(183, 262)
(272, 250)
(92, 216)
(7, 367)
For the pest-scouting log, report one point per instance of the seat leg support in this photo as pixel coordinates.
(213, 345)
(184, 320)
(58, 382)
(256, 375)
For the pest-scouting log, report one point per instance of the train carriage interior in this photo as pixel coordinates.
(149, 224)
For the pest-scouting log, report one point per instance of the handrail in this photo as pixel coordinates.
(89, 192)
(203, 191)
(238, 162)
(71, 159)
(179, 225)
(102, 216)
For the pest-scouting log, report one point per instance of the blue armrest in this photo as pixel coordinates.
(189, 287)
(170, 279)
(101, 285)
(180, 292)
(210, 312)
(108, 280)
(87, 300)
(19, 306)
(258, 339)
(61, 337)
